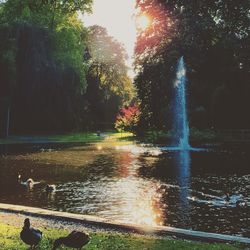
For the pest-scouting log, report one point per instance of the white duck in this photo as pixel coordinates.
(29, 183)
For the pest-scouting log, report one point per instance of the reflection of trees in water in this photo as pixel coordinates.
(119, 184)
(140, 198)
(103, 165)
(124, 163)
(162, 167)
(3, 149)
(172, 171)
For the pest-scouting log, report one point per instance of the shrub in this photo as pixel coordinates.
(127, 119)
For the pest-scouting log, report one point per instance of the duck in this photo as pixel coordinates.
(50, 188)
(29, 235)
(241, 204)
(75, 239)
(227, 198)
(29, 183)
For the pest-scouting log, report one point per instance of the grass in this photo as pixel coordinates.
(9, 240)
(152, 136)
(166, 137)
(72, 137)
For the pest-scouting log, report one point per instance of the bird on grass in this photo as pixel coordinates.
(29, 235)
(75, 240)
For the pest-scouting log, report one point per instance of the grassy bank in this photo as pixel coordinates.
(9, 239)
(166, 137)
(84, 137)
(151, 136)
(74, 137)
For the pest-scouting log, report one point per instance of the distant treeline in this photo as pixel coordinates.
(56, 75)
(213, 36)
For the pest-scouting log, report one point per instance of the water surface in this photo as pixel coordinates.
(133, 183)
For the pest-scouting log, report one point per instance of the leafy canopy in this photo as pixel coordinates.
(107, 63)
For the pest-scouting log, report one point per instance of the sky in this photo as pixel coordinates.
(117, 17)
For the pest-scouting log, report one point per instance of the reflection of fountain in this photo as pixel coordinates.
(182, 167)
(181, 128)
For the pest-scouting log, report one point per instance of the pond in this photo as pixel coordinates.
(134, 183)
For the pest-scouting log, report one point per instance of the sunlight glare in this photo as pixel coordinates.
(143, 22)
(143, 205)
(117, 16)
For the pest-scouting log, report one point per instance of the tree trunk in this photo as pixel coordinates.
(7, 123)
(4, 119)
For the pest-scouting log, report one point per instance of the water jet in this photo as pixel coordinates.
(180, 120)
(180, 140)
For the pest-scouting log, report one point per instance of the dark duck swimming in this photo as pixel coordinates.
(50, 188)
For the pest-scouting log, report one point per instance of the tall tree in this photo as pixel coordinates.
(48, 61)
(109, 86)
(8, 77)
(47, 13)
(213, 37)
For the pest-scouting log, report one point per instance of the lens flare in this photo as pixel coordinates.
(143, 22)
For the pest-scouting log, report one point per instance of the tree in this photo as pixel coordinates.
(127, 119)
(109, 87)
(46, 52)
(46, 13)
(213, 36)
(8, 78)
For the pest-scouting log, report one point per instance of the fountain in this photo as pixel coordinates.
(180, 127)
(180, 119)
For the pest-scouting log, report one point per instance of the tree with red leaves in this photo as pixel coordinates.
(127, 119)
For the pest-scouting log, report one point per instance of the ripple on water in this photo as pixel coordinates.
(135, 183)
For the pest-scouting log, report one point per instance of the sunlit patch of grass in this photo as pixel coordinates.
(114, 139)
(9, 240)
(120, 135)
(75, 137)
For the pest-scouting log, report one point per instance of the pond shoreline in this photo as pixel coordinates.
(139, 183)
(96, 222)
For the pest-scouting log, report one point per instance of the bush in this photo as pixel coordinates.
(127, 119)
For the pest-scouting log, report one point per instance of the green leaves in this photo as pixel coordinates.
(213, 36)
(42, 61)
(69, 47)
(107, 63)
